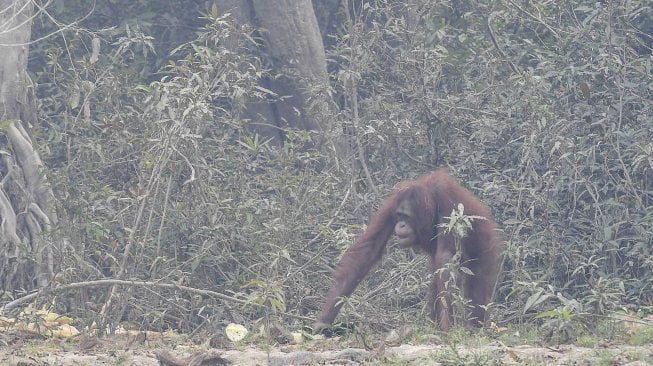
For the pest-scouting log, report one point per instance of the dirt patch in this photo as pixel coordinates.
(140, 350)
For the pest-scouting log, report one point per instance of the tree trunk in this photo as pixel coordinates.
(293, 48)
(26, 201)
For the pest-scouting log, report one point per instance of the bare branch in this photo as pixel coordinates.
(113, 282)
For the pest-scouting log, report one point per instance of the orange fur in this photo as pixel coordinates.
(432, 198)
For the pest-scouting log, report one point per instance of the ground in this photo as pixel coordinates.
(149, 348)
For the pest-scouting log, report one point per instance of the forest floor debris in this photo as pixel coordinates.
(152, 348)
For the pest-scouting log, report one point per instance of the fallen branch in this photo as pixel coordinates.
(113, 282)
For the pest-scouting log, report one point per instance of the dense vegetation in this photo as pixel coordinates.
(543, 109)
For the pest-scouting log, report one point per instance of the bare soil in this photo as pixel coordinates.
(149, 348)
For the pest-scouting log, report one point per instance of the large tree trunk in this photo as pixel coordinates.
(293, 48)
(26, 201)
